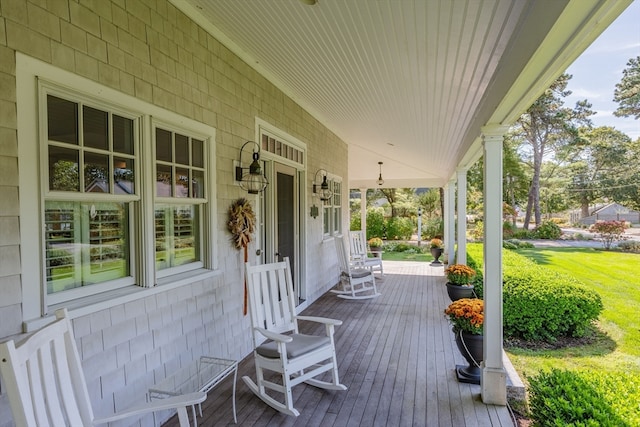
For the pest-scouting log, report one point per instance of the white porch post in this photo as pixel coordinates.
(363, 211)
(461, 256)
(493, 381)
(449, 221)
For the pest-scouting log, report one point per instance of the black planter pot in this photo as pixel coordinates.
(457, 292)
(436, 253)
(470, 346)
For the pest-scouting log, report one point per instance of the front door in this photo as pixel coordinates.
(282, 232)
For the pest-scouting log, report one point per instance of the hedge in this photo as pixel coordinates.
(538, 303)
(584, 398)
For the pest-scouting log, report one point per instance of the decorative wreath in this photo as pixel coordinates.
(241, 223)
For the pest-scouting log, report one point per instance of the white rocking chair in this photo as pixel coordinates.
(298, 358)
(46, 386)
(359, 253)
(355, 282)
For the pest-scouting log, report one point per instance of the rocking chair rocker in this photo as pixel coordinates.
(355, 282)
(297, 357)
(46, 385)
(359, 257)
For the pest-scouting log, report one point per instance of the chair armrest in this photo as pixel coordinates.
(274, 335)
(324, 320)
(155, 405)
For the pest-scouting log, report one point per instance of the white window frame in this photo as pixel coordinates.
(332, 209)
(200, 203)
(36, 304)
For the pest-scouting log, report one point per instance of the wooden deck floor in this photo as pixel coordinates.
(396, 355)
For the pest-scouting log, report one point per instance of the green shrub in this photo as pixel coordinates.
(542, 304)
(548, 230)
(523, 234)
(477, 281)
(403, 247)
(629, 246)
(399, 228)
(538, 303)
(508, 229)
(509, 245)
(375, 222)
(355, 223)
(477, 232)
(566, 398)
(516, 244)
(432, 227)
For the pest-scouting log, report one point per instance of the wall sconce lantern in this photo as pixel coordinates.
(322, 189)
(380, 180)
(251, 179)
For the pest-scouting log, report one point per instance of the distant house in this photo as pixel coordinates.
(610, 212)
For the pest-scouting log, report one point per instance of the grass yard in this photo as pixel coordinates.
(406, 256)
(616, 346)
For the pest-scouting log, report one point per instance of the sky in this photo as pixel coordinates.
(597, 71)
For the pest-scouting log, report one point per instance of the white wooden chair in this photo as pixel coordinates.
(46, 387)
(296, 357)
(359, 252)
(355, 282)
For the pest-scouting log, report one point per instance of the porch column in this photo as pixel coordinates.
(449, 221)
(363, 211)
(493, 380)
(461, 255)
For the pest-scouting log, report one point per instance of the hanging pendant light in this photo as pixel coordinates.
(380, 180)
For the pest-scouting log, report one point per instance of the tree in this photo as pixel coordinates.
(544, 130)
(627, 92)
(597, 165)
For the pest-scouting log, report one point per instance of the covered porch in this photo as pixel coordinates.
(396, 355)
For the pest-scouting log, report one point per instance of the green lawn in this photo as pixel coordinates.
(614, 276)
(405, 256)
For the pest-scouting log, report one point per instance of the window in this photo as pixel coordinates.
(337, 207)
(100, 215)
(332, 209)
(180, 193)
(90, 150)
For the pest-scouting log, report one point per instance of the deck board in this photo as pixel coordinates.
(396, 355)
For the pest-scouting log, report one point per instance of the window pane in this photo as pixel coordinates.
(197, 153)
(182, 149)
(108, 242)
(182, 182)
(163, 145)
(162, 251)
(122, 135)
(163, 180)
(185, 234)
(62, 119)
(85, 244)
(197, 184)
(123, 176)
(326, 218)
(96, 173)
(63, 169)
(177, 235)
(95, 124)
(62, 246)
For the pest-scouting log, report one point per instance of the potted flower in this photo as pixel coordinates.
(459, 278)
(436, 247)
(467, 317)
(375, 245)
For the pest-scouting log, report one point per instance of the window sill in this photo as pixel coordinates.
(105, 300)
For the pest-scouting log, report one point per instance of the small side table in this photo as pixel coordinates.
(200, 375)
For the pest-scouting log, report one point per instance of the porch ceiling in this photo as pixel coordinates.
(408, 82)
